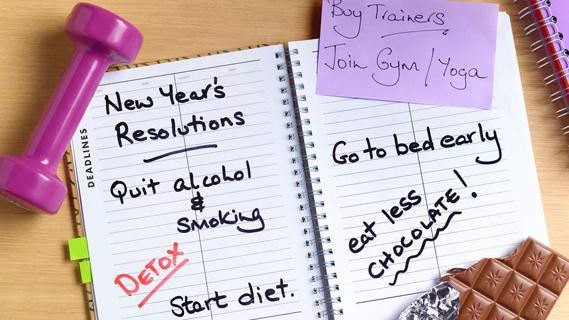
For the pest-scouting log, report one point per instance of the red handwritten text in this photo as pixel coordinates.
(130, 285)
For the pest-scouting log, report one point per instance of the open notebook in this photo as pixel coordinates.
(222, 187)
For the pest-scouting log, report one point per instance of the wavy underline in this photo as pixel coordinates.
(167, 154)
(423, 247)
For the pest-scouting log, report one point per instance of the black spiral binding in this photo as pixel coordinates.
(310, 196)
(562, 53)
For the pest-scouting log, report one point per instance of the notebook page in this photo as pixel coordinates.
(379, 202)
(187, 191)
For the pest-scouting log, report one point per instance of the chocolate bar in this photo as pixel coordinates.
(522, 286)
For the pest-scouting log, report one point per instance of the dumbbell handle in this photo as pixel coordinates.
(101, 38)
(67, 106)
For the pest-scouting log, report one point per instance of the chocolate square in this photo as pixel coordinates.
(493, 279)
(556, 275)
(477, 306)
(540, 304)
(534, 261)
(501, 313)
(517, 292)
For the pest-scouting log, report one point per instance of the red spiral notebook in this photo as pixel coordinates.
(551, 24)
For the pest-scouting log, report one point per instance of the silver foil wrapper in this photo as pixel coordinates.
(441, 302)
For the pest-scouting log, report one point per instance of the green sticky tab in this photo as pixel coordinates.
(78, 249)
(85, 270)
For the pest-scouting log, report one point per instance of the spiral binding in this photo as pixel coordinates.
(311, 196)
(554, 40)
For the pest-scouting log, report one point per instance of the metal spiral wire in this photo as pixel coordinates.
(312, 197)
(560, 57)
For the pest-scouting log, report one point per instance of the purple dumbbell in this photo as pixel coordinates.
(101, 39)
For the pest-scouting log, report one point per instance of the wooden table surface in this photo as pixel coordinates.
(37, 281)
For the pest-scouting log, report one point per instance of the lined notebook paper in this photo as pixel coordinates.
(264, 251)
(357, 185)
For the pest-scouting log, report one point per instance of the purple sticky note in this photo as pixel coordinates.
(421, 51)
